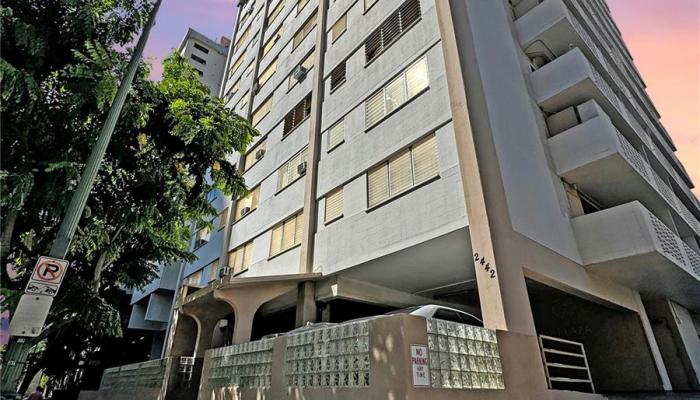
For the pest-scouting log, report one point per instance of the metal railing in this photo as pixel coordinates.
(565, 364)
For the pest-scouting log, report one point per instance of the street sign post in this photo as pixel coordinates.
(30, 315)
(47, 276)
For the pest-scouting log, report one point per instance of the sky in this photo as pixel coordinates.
(662, 35)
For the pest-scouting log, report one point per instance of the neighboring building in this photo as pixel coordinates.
(500, 157)
(152, 305)
(206, 56)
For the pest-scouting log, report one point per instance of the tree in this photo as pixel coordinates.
(60, 66)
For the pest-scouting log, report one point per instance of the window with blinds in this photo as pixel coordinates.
(241, 39)
(334, 206)
(249, 69)
(237, 64)
(222, 218)
(308, 63)
(338, 76)
(240, 258)
(297, 115)
(287, 234)
(202, 237)
(392, 28)
(262, 111)
(213, 270)
(290, 171)
(233, 89)
(369, 3)
(243, 102)
(194, 280)
(407, 169)
(267, 73)
(301, 4)
(246, 204)
(339, 27)
(270, 43)
(275, 12)
(308, 26)
(255, 154)
(336, 134)
(403, 88)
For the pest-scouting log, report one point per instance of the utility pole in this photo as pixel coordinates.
(18, 349)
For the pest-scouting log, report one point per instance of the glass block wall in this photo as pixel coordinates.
(247, 365)
(147, 374)
(336, 356)
(463, 356)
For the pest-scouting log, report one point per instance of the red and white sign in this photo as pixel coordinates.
(420, 364)
(47, 276)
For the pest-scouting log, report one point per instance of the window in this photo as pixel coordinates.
(201, 48)
(287, 234)
(213, 269)
(404, 87)
(236, 64)
(338, 76)
(243, 102)
(407, 169)
(308, 26)
(233, 89)
(222, 218)
(241, 258)
(369, 4)
(334, 206)
(291, 170)
(336, 135)
(297, 115)
(307, 64)
(267, 74)
(241, 39)
(270, 43)
(262, 111)
(198, 59)
(194, 280)
(202, 237)
(391, 29)
(246, 204)
(301, 4)
(275, 12)
(255, 154)
(339, 27)
(249, 69)
(200, 73)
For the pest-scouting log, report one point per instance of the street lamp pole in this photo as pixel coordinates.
(18, 349)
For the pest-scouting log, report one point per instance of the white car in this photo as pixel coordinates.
(440, 312)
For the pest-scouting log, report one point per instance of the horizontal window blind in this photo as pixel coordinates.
(338, 76)
(404, 87)
(336, 135)
(308, 26)
(270, 43)
(249, 201)
(334, 205)
(262, 111)
(408, 168)
(339, 27)
(391, 29)
(252, 156)
(267, 74)
(287, 234)
(289, 171)
(275, 12)
(213, 270)
(297, 115)
(240, 258)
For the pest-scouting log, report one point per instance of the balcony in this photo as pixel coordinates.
(552, 30)
(603, 164)
(629, 245)
(571, 80)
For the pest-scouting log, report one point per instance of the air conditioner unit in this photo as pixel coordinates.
(256, 87)
(245, 211)
(301, 168)
(299, 73)
(259, 154)
(224, 271)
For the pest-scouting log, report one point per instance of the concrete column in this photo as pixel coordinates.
(184, 336)
(245, 301)
(678, 341)
(206, 316)
(306, 303)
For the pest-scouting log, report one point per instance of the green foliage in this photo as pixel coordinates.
(59, 70)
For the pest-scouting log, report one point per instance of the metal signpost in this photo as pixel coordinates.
(34, 305)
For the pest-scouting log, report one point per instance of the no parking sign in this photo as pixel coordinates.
(47, 276)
